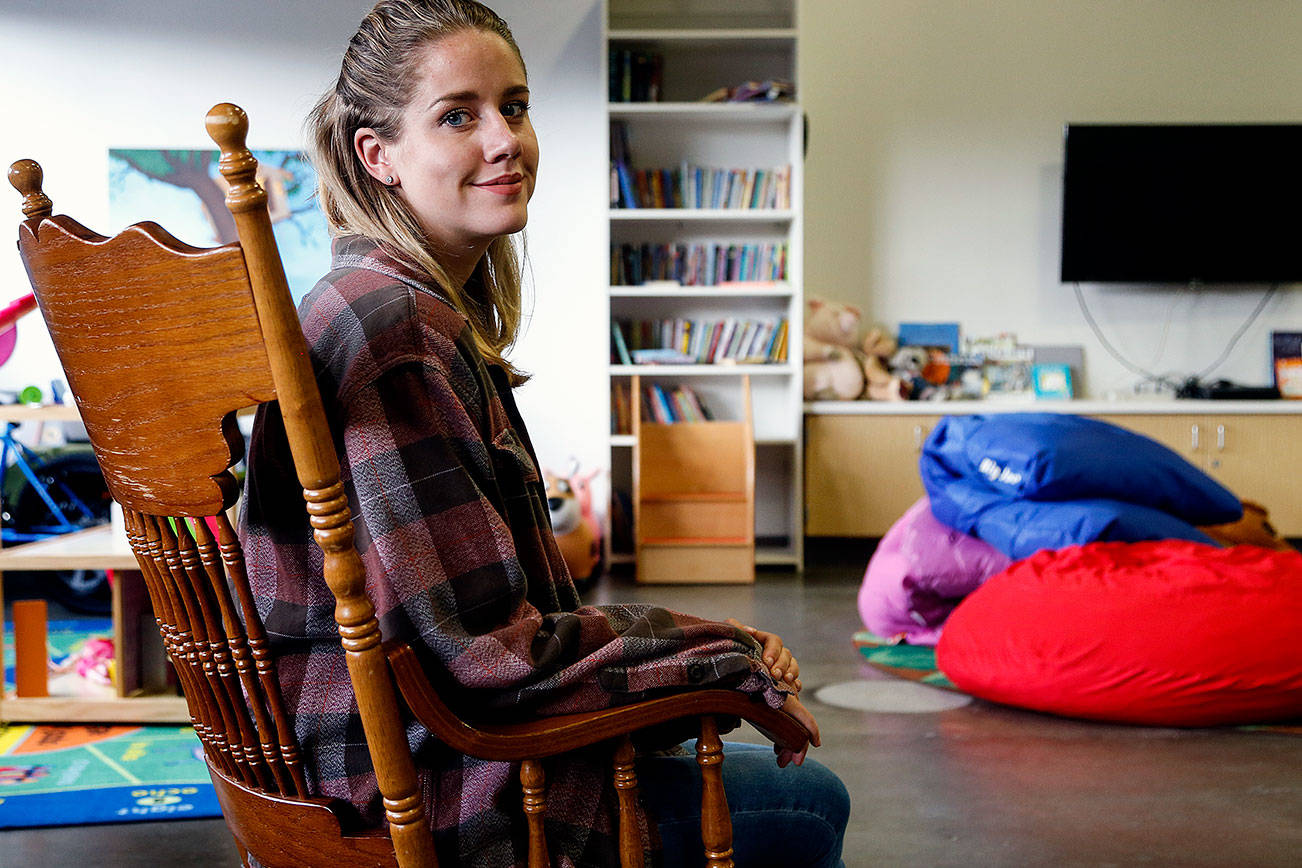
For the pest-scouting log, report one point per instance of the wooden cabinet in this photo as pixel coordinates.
(694, 498)
(861, 469)
(861, 472)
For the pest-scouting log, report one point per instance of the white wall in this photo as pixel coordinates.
(79, 78)
(935, 160)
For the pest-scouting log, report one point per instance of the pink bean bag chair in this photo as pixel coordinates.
(919, 573)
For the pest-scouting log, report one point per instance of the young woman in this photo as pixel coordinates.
(427, 160)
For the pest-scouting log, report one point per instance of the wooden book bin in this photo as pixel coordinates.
(694, 497)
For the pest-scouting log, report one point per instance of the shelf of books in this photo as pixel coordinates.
(706, 151)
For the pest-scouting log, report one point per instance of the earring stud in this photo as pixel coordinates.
(388, 179)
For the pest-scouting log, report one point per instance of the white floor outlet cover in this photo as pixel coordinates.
(899, 697)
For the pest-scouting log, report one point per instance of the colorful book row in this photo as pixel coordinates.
(699, 187)
(677, 404)
(697, 264)
(698, 342)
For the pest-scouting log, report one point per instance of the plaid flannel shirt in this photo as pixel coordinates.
(453, 528)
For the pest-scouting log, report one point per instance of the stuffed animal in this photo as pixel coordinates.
(909, 363)
(837, 342)
(1254, 528)
(839, 376)
(574, 524)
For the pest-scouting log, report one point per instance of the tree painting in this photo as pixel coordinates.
(182, 191)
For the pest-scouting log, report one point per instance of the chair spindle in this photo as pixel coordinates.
(534, 783)
(716, 824)
(232, 554)
(237, 641)
(630, 838)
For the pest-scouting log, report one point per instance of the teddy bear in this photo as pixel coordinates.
(844, 359)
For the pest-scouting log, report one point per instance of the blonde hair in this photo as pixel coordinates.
(374, 86)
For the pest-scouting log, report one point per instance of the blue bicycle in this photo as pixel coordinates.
(44, 497)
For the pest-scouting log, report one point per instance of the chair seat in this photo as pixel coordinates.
(290, 832)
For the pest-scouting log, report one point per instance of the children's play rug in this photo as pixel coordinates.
(918, 663)
(70, 775)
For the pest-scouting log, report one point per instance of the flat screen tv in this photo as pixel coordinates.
(1182, 203)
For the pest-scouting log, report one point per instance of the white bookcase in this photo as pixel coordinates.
(705, 45)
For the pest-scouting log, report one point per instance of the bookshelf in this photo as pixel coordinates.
(684, 50)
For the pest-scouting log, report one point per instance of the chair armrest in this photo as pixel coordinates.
(548, 736)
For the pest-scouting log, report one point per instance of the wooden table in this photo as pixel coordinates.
(143, 693)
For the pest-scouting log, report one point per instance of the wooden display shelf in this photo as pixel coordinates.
(39, 413)
(90, 549)
(141, 684)
(138, 708)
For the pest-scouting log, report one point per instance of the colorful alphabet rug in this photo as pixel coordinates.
(70, 775)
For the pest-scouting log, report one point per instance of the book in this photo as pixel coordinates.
(620, 353)
(663, 410)
(628, 197)
(621, 417)
(661, 356)
(698, 408)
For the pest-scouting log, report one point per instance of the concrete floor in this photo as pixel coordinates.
(977, 785)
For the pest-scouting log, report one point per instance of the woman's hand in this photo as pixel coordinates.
(794, 707)
(777, 657)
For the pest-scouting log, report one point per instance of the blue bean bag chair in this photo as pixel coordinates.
(1029, 481)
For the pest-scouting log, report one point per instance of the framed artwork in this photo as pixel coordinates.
(1052, 381)
(182, 191)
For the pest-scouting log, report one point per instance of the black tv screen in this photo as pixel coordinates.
(1188, 203)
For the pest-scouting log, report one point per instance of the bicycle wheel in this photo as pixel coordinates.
(75, 484)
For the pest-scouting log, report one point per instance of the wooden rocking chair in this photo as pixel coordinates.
(162, 343)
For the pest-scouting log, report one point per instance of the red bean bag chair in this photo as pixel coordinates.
(1167, 633)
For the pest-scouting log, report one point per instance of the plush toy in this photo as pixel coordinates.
(574, 524)
(839, 376)
(1254, 528)
(844, 360)
(908, 363)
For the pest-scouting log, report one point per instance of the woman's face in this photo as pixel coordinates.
(467, 156)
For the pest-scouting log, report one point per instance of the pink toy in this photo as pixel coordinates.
(9, 316)
(574, 523)
(93, 662)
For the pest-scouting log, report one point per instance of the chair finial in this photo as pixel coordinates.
(27, 176)
(228, 126)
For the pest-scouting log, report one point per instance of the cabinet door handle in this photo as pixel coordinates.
(1193, 432)
(1220, 438)
(917, 438)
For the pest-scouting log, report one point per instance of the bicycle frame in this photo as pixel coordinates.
(29, 464)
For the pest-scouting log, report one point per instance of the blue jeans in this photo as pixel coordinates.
(785, 818)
